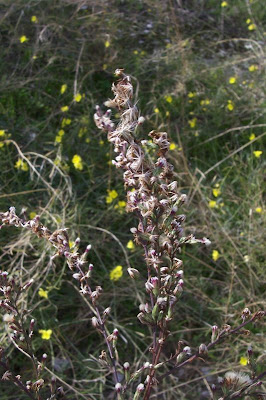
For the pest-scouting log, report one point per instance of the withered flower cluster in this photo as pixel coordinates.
(60, 241)
(153, 195)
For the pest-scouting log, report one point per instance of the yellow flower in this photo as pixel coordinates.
(156, 110)
(230, 105)
(20, 164)
(122, 204)
(77, 162)
(232, 80)
(78, 97)
(101, 142)
(65, 121)
(1, 145)
(105, 66)
(243, 361)
(34, 19)
(64, 108)
(192, 122)
(167, 114)
(32, 214)
(216, 192)
(2, 132)
(258, 210)
(257, 153)
(43, 293)
(205, 102)
(224, 4)
(58, 139)
(71, 244)
(191, 94)
(135, 52)
(46, 334)
(215, 255)
(252, 136)
(108, 199)
(172, 146)
(248, 21)
(142, 53)
(253, 68)
(169, 99)
(61, 132)
(116, 273)
(63, 88)
(212, 204)
(107, 44)
(23, 39)
(168, 45)
(130, 245)
(251, 27)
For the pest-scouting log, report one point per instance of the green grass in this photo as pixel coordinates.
(194, 48)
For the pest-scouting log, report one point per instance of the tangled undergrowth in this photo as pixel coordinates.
(199, 69)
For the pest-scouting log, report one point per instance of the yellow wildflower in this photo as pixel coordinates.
(232, 80)
(77, 162)
(191, 94)
(105, 66)
(168, 45)
(61, 132)
(32, 214)
(112, 194)
(212, 204)
(1, 145)
(46, 334)
(216, 192)
(23, 39)
(2, 132)
(58, 139)
(101, 142)
(258, 210)
(230, 105)
(71, 244)
(251, 27)
(156, 110)
(192, 122)
(43, 293)
(224, 4)
(65, 121)
(77, 98)
(167, 114)
(34, 19)
(215, 255)
(64, 108)
(257, 153)
(169, 99)
(252, 136)
(116, 273)
(63, 88)
(122, 204)
(253, 68)
(243, 361)
(130, 245)
(248, 21)
(135, 52)
(172, 146)
(107, 44)
(20, 164)
(143, 53)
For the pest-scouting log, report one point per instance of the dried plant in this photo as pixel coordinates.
(153, 196)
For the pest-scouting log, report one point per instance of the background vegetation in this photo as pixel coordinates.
(198, 71)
